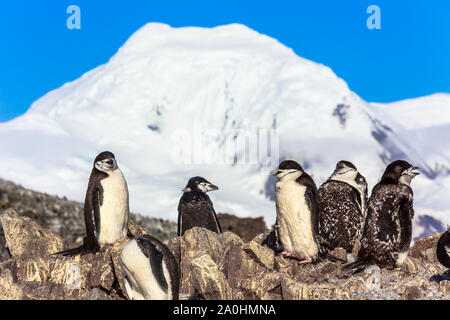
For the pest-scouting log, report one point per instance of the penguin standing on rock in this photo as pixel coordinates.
(151, 270)
(388, 228)
(343, 201)
(443, 249)
(195, 208)
(106, 208)
(297, 212)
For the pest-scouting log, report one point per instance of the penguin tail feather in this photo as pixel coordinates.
(71, 252)
(357, 266)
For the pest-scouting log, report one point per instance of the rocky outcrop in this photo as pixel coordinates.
(224, 266)
(212, 266)
(34, 272)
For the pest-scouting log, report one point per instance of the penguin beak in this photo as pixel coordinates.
(211, 187)
(415, 171)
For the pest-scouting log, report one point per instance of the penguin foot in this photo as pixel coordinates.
(307, 260)
(288, 254)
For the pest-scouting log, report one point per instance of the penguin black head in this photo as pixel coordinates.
(288, 169)
(346, 171)
(345, 168)
(200, 184)
(105, 162)
(399, 171)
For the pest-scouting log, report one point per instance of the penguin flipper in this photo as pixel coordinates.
(156, 260)
(406, 216)
(94, 198)
(213, 212)
(85, 248)
(312, 200)
(357, 266)
(180, 219)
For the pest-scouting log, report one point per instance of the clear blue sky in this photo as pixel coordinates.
(408, 57)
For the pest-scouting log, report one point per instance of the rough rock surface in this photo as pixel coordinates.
(212, 266)
(34, 272)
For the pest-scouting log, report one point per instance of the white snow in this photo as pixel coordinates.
(166, 86)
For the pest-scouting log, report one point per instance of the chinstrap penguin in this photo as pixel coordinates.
(388, 229)
(343, 201)
(151, 270)
(297, 212)
(195, 208)
(443, 249)
(106, 207)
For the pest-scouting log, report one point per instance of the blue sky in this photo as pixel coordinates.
(408, 57)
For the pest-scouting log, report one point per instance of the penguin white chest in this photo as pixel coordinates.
(114, 209)
(140, 281)
(294, 220)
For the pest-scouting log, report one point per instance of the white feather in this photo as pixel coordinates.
(142, 284)
(114, 210)
(294, 219)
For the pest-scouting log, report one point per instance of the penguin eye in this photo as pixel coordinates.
(109, 161)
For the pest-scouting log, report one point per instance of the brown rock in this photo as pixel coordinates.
(425, 248)
(197, 242)
(136, 230)
(339, 253)
(444, 286)
(292, 290)
(411, 293)
(261, 254)
(246, 228)
(411, 265)
(242, 266)
(9, 288)
(305, 273)
(329, 268)
(208, 280)
(262, 237)
(45, 276)
(174, 247)
(372, 277)
(263, 286)
(27, 239)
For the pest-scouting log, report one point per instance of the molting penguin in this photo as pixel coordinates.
(343, 201)
(106, 206)
(151, 270)
(297, 212)
(443, 249)
(388, 228)
(195, 209)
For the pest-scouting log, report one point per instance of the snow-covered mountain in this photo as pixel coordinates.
(177, 102)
